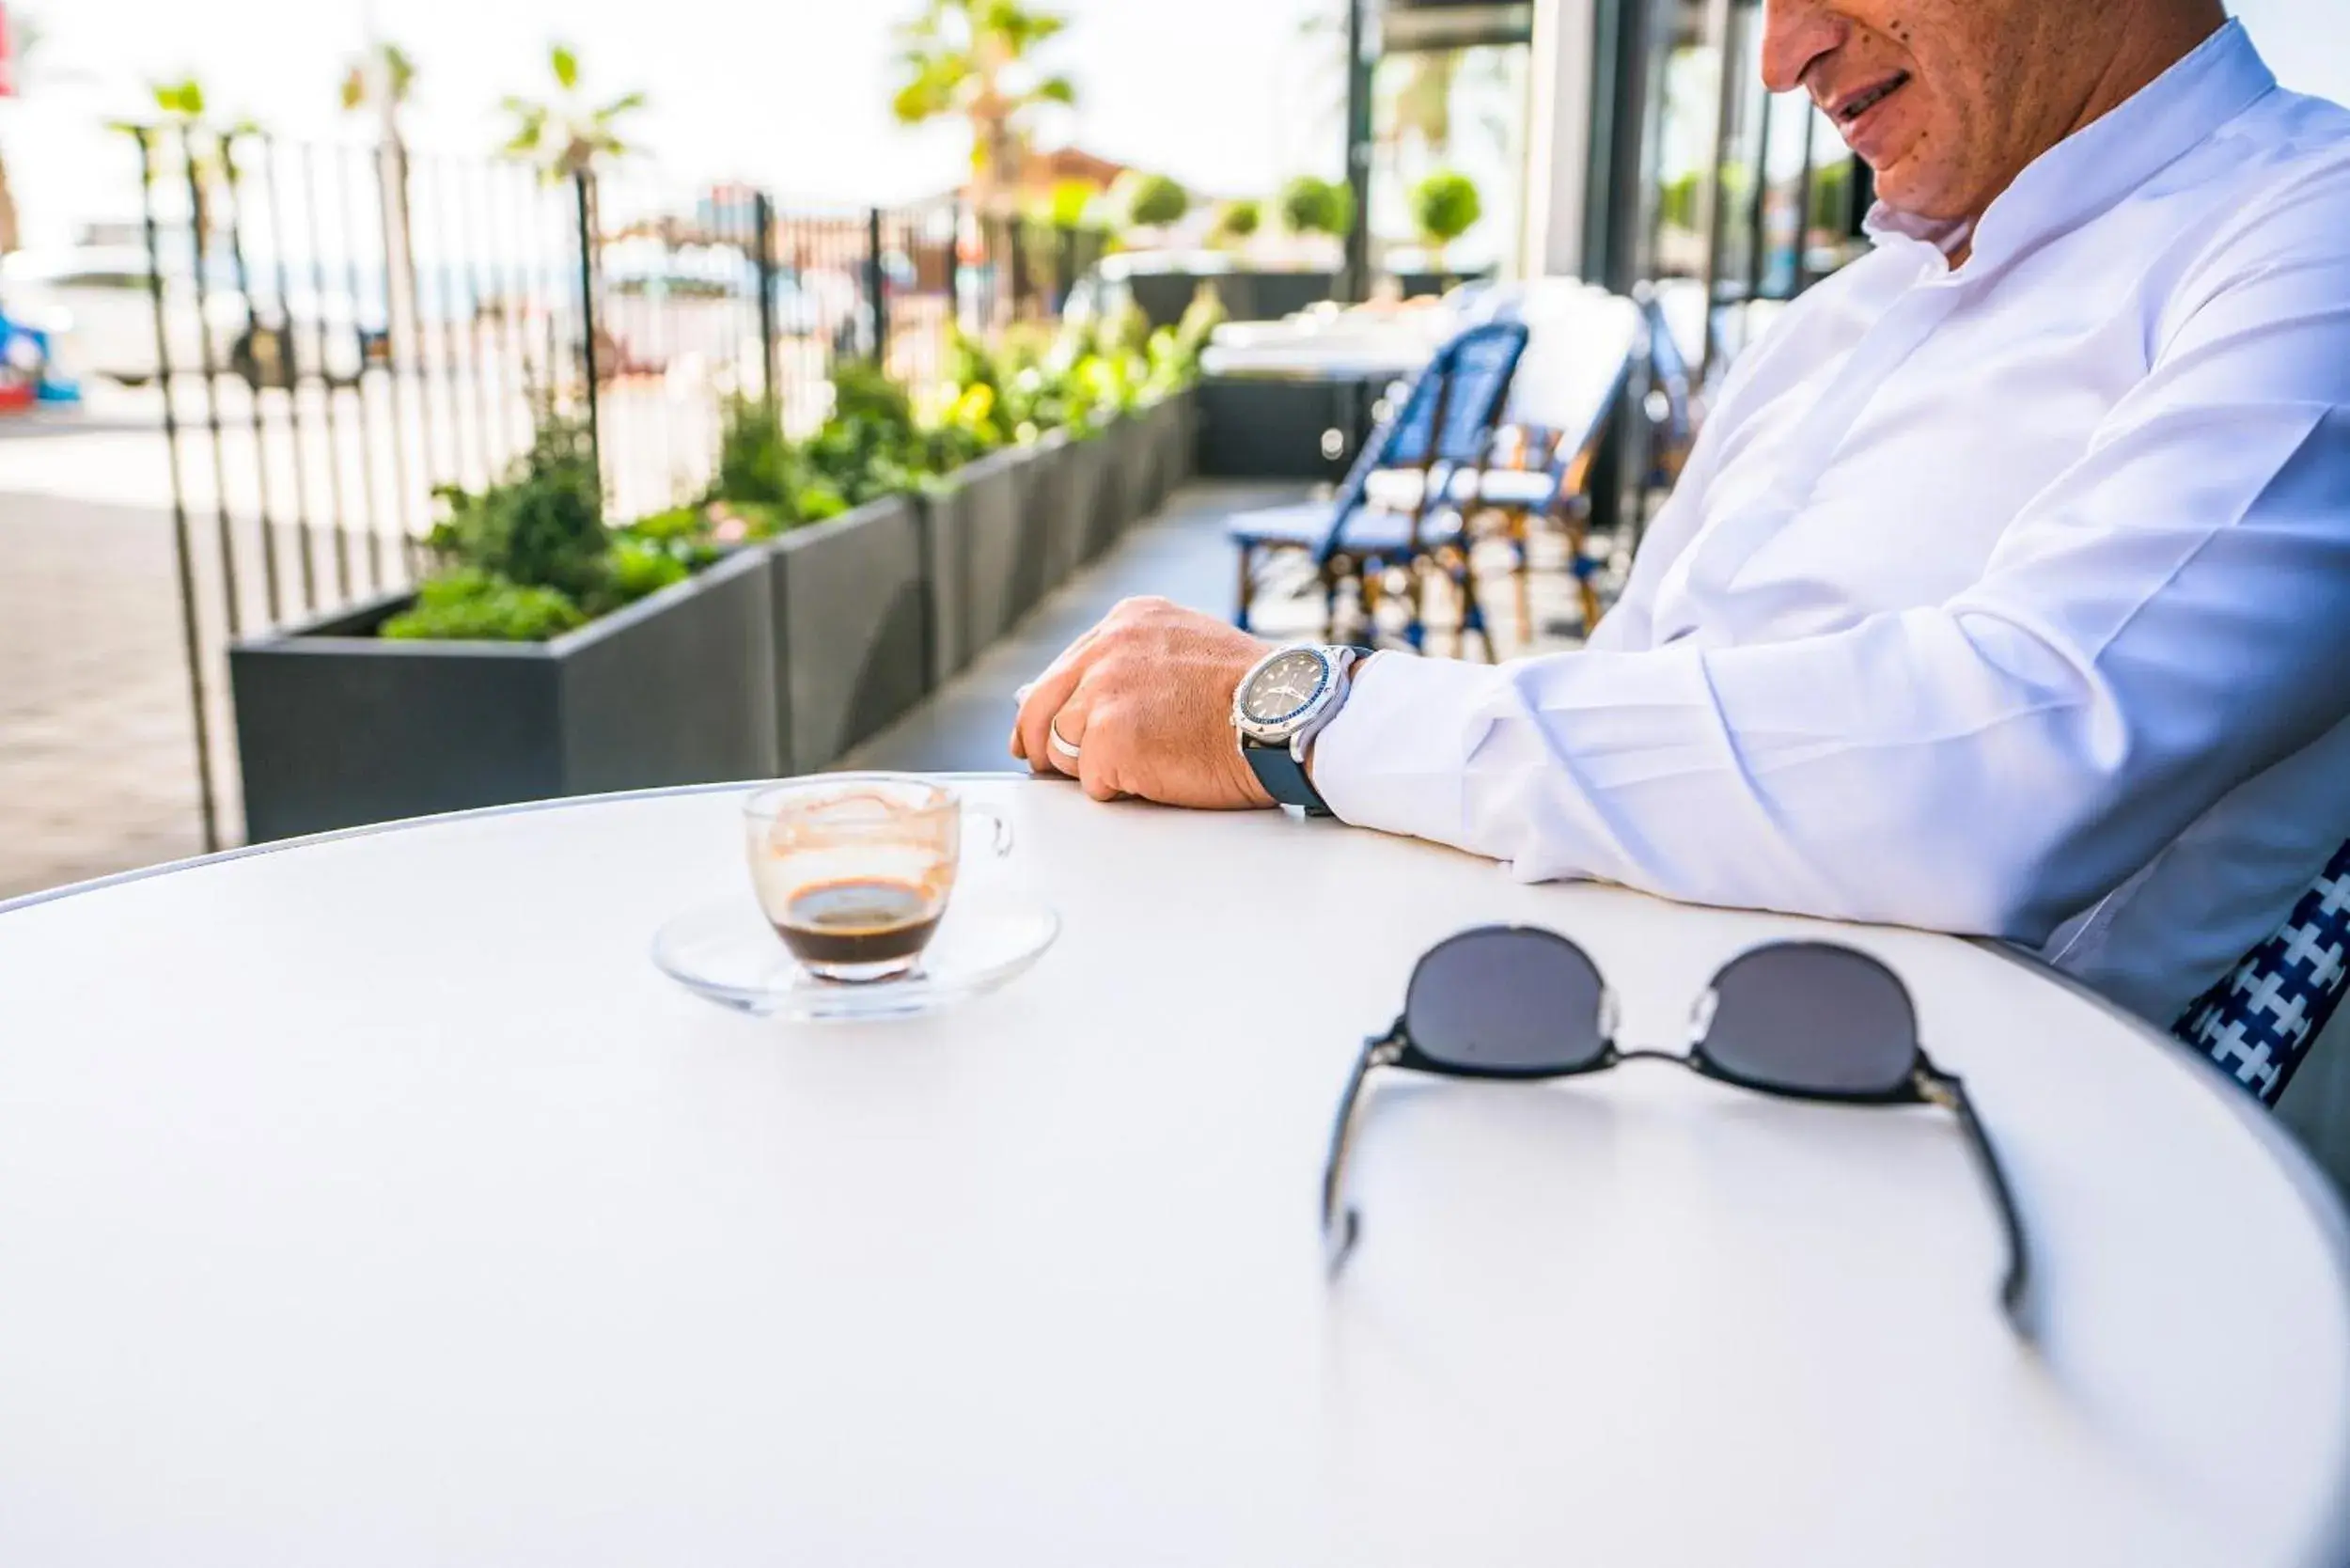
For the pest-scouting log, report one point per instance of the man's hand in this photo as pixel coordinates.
(1146, 698)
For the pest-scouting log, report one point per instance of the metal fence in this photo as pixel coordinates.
(341, 332)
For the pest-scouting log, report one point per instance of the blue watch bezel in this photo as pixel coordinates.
(1321, 684)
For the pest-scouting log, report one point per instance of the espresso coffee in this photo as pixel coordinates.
(833, 926)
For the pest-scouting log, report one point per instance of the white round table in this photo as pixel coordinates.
(375, 1202)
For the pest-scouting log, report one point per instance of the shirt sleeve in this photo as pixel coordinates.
(2168, 619)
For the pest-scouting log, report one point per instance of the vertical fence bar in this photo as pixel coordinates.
(583, 198)
(876, 285)
(954, 265)
(326, 380)
(391, 387)
(463, 339)
(398, 241)
(512, 299)
(763, 242)
(444, 283)
(545, 265)
(305, 530)
(488, 388)
(263, 345)
(181, 547)
(657, 310)
(199, 215)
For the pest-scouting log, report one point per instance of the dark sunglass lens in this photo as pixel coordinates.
(1505, 999)
(1817, 1019)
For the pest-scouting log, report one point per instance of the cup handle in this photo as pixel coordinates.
(999, 838)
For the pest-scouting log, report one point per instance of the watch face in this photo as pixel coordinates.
(1284, 686)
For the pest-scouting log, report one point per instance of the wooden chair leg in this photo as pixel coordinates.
(1473, 614)
(1524, 574)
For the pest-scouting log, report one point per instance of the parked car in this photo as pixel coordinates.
(101, 297)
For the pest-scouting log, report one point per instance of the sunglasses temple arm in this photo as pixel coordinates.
(1338, 1222)
(2015, 1291)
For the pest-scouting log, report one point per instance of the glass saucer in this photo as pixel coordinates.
(727, 951)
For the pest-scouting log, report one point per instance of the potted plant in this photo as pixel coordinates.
(1236, 223)
(546, 654)
(1445, 205)
(1152, 203)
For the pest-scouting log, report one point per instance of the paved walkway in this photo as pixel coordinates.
(97, 744)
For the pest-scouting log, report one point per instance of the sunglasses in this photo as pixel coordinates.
(1803, 1020)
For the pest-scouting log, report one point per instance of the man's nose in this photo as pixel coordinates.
(1795, 34)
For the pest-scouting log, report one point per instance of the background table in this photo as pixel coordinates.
(376, 1201)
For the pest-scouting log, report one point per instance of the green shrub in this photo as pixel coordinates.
(1313, 206)
(474, 606)
(1238, 220)
(756, 461)
(1155, 200)
(640, 567)
(1445, 206)
(542, 526)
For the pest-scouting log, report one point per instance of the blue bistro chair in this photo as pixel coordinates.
(1445, 423)
(2259, 1022)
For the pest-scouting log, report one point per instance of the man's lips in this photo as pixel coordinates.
(1851, 107)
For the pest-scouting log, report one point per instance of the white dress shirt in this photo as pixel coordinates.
(2009, 600)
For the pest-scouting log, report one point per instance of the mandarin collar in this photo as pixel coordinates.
(2107, 159)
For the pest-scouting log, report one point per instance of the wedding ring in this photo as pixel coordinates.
(1059, 744)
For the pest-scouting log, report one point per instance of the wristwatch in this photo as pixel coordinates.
(1281, 706)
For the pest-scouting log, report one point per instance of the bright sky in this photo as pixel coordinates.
(793, 93)
(1227, 95)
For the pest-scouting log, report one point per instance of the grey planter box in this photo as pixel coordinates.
(1040, 475)
(1167, 464)
(971, 539)
(850, 647)
(1134, 466)
(336, 728)
(1178, 428)
(1081, 526)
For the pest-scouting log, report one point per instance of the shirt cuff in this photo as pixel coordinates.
(1396, 757)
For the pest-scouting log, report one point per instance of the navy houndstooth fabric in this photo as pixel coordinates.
(2258, 1023)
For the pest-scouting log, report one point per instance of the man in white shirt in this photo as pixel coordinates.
(2007, 588)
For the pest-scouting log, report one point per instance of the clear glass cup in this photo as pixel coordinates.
(855, 871)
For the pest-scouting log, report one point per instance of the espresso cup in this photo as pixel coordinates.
(855, 871)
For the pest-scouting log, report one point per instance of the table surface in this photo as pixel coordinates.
(376, 1201)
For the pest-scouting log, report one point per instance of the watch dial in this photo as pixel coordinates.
(1286, 685)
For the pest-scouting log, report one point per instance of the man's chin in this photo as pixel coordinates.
(1922, 193)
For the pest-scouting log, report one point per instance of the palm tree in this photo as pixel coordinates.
(567, 136)
(381, 79)
(971, 59)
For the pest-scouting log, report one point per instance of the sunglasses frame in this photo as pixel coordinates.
(1924, 1085)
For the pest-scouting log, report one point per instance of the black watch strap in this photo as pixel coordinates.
(1284, 777)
